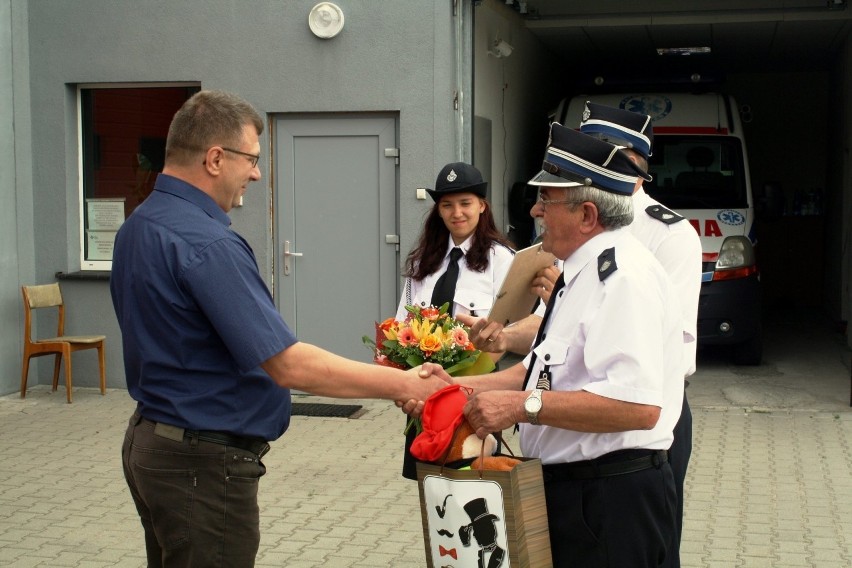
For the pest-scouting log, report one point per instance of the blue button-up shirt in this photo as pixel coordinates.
(196, 318)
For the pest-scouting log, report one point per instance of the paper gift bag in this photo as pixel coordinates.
(484, 519)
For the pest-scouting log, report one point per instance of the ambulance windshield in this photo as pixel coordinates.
(697, 172)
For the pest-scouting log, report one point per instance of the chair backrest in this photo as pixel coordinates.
(43, 296)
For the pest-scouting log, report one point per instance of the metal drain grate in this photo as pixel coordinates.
(325, 410)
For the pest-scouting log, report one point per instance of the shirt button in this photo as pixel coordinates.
(547, 357)
(561, 292)
(471, 305)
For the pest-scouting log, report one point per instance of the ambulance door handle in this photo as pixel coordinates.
(287, 255)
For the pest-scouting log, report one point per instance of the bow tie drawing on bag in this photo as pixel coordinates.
(451, 552)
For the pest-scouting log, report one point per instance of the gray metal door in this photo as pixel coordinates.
(337, 265)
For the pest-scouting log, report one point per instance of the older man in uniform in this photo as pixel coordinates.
(599, 395)
(673, 242)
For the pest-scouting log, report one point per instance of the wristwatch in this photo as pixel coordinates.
(532, 406)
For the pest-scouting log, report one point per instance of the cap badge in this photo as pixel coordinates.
(586, 114)
(451, 177)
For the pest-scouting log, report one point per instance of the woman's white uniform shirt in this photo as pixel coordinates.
(620, 338)
(475, 291)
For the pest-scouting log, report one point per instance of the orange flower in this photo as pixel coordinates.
(429, 344)
(390, 328)
(459, 336)
(430, 313)
(406, 337)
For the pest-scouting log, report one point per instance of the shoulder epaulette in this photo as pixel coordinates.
(606, 264)
(660, 213)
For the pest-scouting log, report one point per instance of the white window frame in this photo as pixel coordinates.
(103, 265)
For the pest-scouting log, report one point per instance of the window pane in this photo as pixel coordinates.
(123, 142)
(695, 172)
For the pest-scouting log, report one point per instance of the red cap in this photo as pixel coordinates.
(442, 414)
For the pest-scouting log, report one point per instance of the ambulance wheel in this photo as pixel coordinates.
(751, 351)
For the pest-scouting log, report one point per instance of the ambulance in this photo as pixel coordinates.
(700, 169)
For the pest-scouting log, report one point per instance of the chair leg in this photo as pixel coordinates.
(102, 366)
(25, 366)
(57, 361)
(68, 374)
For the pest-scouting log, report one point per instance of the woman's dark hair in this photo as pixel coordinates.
(431, 248)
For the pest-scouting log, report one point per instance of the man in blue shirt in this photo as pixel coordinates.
(207, 356)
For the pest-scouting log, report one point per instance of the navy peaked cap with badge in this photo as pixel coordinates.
(458, 177)
(618, 126)
(573, 159)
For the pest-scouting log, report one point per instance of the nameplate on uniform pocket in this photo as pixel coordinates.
(168, 431)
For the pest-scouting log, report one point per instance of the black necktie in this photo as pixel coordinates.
(560, 283)
(445, 287)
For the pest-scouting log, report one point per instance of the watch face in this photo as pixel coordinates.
(533, 405)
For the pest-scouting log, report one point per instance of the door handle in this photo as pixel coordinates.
(287, 255)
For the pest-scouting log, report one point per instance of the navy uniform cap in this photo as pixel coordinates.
(618, 126)
(458, 177)
(573, 159)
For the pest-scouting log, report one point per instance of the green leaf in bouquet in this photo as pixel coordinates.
(482, 364)
(414, 360)
(415, 423)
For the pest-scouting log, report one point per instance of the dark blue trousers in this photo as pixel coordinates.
(612, 522)
(679, 455)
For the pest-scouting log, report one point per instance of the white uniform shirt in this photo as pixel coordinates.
(678, 248)
(619, 338)
(475, 291)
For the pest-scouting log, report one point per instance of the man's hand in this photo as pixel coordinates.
(494, 411)
(542, 284)
(436, 375)
(486, 335)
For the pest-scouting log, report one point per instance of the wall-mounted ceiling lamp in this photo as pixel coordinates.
(682, 50)
(836, 4)
(500, 49)
(325, 20)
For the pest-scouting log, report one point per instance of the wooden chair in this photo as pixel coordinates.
(49, 296)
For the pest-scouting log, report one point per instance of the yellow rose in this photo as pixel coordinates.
(429, 344)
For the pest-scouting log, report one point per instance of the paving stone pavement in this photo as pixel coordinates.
(769, 484)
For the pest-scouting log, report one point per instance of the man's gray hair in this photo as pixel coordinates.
(614, 210)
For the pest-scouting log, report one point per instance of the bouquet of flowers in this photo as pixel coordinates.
(430, 335)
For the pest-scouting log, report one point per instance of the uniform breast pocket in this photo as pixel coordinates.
(553, 351)
(475, 302)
